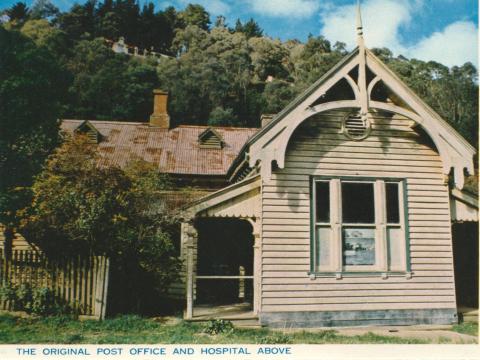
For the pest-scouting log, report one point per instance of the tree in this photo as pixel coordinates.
(32, 85)
(212, 70)
(222, 117)
(48, 36)
(452, 92)
(81, 208)
(268, 58)
(196, 15)
(18, 13)
(43, 9)
(277, 95)
(98, 71)
(79, 22)
(118, 18)
(250, 28)
(315, 59)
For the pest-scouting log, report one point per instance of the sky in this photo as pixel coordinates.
(441, 30)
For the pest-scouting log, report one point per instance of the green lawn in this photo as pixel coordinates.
(133, 329)
(466, 328)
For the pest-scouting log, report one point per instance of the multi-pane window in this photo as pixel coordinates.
(358, 225)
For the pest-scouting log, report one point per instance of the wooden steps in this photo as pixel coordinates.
(468, 315)
(241, 315)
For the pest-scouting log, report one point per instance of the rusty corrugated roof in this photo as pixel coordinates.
(175, 151)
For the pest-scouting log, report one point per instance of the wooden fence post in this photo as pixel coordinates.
(105, 288)
(81, 282)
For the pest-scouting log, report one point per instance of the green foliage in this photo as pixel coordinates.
(275, 338)
(32, 85)
(43, 9)
(452, 92)
(222, 117)
(195, 15)
(34, 300)
(277, 95)
(81, 208)
(98, 71)
(212, 68)
(46, 35)
(250, 28)
(218, 326)
(18, 13)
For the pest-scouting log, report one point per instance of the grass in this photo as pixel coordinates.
(466, 328)
(135, 330)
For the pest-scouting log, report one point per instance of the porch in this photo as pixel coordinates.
(220, 245)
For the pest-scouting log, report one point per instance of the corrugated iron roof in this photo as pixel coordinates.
(175, 151)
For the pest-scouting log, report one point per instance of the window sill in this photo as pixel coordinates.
(340, 275)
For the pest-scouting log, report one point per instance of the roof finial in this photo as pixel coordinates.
(359, 25)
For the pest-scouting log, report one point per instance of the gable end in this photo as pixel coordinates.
(210, 139)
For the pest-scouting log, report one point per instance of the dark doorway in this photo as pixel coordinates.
(225, 248)
(465, 252)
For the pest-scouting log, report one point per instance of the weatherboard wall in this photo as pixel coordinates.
(393, 149)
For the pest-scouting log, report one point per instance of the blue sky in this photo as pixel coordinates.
(440, 30)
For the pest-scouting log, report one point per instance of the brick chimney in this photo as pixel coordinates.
(266, 118)
(160, 117)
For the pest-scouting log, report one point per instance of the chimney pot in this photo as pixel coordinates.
(266, 118)
(160, 117)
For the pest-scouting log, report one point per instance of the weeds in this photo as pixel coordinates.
(215, 327)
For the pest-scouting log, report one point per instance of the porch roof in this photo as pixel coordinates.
(463, 206)
(240, 200)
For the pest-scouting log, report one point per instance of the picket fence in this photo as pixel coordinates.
(82, 282)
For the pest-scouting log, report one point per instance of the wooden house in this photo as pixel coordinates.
(337, 212)
(342, 206)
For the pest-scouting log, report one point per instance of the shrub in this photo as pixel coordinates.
(215, 327)
(34, 300)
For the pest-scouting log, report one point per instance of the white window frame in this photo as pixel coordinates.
(380, 225)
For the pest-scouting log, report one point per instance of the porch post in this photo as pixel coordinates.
(189, 238)
(257, 267)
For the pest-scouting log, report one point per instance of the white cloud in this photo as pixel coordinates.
(214, 7)
(455, 45)
(382, 22)
(285, 8)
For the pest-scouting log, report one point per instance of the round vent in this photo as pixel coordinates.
(356, 126)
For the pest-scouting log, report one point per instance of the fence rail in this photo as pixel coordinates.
(81, 282)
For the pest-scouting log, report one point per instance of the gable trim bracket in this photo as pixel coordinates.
(270, 144)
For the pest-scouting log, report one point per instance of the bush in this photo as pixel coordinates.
(215, 327)
(34, 300)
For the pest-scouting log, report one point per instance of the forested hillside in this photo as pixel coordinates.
(223, 72)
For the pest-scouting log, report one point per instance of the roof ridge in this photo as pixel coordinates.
(146, 123)
(107, 121)
(217, 127)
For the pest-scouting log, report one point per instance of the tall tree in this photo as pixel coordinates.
(250, 28)
(31, 89)
(196, 15)
(43, 9)
(79, 22)
(18, 13)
